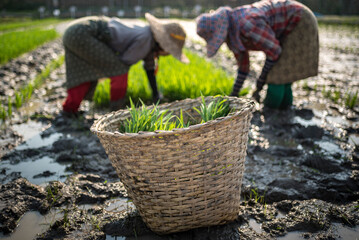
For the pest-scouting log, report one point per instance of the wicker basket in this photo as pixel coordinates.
(185, 178)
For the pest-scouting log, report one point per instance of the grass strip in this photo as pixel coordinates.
(27, 23)
(14, 44)
(339, 20)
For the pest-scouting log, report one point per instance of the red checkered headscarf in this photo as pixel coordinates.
(213, 27)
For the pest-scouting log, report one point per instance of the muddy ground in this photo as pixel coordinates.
(301, 178)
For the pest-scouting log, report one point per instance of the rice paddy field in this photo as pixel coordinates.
(57, 182)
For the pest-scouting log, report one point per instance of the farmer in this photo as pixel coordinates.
(286, 31)
(98, 47)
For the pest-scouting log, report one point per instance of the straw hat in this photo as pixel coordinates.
(169, 35)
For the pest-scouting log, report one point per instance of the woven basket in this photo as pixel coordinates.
(185, 178)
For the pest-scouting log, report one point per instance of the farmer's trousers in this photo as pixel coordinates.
(279, 96)
(75, 95)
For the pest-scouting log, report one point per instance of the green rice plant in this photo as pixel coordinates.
(25, 92)
(13, 44)
(27, 23)
(306, 86)
(149, 119)
(215, 109)
(39, 80)
(18, 100)
(244, 91)
(331, 94)
(351, 100)
(101, 96)
(9, 107)
(179, 81)
(175, 80)
(335, 96)
(199, 77)
(2, 113)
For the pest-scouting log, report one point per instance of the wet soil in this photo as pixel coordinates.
(301, 177)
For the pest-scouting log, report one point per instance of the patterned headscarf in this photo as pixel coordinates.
(213, 27)
(219, 25)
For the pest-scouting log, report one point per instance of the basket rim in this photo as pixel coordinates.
(248, 106)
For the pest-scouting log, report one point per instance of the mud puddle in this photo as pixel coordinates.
(33, 223)
(32, 165)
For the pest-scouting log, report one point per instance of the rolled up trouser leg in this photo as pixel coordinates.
(118, 86)
(75, 96)
(118, 91)
(287, 97)
(275, 94)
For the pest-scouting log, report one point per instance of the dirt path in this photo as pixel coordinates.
(301, 178)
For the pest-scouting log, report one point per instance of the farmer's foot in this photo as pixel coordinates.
(72, 115)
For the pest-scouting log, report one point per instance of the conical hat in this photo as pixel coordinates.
(169, 35)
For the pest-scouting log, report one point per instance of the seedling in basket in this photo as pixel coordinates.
(215, 109)
(150, 119)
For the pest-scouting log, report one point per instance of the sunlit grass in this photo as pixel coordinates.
(175, 80)
(338, 20)
(102, 93)
(179, 81)
(13, 44)
(26, 23)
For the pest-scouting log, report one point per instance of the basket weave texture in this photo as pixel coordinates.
(185, 178)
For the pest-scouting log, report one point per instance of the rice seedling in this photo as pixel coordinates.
(244, 91)
(2, 113)
(9, 107)
(18, 100)
(14, 44)
(215, 109)
(332, 94)
(101, 96)
(351, 100)
(175, 80)
(306, 86)
(24, 93)
(179, 81)
(27, 23)
(149, 119)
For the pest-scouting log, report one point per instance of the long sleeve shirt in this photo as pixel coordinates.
(132, 43)
(260, 27)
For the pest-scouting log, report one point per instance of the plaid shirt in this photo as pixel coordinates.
(261, 26)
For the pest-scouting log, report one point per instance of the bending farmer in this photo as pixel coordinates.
(286, 31)
(98, 47)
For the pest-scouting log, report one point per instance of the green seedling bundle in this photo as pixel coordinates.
(149, 119)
